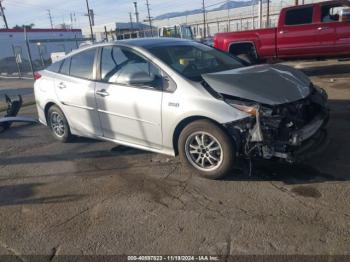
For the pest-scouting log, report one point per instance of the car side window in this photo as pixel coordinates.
(123, 66)
(82, 64)
(299, 16)
(334, 13)
(65, 66)
(54, 67)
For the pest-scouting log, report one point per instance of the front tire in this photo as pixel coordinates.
(58, 124)
(206, 149)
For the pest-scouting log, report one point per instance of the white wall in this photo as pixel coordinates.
(240, 18)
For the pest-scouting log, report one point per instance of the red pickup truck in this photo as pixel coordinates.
(318, 30)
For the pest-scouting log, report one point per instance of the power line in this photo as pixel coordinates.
(3, 15)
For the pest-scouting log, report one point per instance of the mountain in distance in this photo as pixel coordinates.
(226, 5)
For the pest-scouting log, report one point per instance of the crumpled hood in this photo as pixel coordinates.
(266, 84)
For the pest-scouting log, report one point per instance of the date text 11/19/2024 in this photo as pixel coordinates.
(173, 258)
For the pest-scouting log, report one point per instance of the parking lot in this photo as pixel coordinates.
(92, 197)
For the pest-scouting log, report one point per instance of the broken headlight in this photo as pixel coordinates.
(246, 107)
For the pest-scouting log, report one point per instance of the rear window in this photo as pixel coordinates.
(54, 67)
(299, 16)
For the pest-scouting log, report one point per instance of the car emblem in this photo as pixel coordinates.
(173, 104)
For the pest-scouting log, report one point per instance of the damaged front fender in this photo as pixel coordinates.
(282, 131)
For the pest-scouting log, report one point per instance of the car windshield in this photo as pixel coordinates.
(193, 59)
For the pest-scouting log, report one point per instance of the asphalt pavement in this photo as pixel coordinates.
(92, 197)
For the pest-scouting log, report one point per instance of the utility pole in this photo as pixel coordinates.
(71, 20)
(88, 9)
(260, 14)
(228, 15)
(136, 13)
(253, 14)
(50, 17)
(296, 2)
(106, 34)
(204, 22)
(3, 15)
(149, 17)
(268, 13)
(92, 15)
(131, 23)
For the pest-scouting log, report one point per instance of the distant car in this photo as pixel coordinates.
(317, 30)
(176, 96)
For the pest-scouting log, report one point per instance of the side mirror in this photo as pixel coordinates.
(137, 78)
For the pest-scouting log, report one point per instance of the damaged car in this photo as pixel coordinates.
(179, 97)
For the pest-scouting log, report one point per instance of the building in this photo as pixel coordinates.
(234, 19)
(118, 30)
(14, 55)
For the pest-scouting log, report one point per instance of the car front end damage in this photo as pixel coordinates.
(288, 131)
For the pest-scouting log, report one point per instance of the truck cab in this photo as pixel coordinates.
(318, 30)
(315, 30)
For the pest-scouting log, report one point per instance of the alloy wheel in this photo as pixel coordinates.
(204, 151)
(57, 124)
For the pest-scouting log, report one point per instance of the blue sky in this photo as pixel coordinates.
(35, 11)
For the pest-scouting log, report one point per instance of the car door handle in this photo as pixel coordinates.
(322, 28)
(62, 85)
(283, 31)
(102, 93)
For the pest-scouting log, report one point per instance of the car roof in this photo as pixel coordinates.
(145, 43)
(152, 42)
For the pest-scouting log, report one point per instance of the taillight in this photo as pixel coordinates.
(36, 76)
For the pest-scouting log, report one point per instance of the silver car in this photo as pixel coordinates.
(179, 97)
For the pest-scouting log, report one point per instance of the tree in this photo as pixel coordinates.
(30, 26)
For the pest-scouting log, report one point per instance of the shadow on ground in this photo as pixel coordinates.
(24, 194)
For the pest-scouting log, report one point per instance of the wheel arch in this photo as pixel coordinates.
(47, 107)
(243, 47)
(186, 121)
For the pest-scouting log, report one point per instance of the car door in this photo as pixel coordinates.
(297, 34)
(334, 29)
(129, 97)
(76, 92)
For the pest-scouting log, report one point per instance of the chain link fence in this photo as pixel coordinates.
(20, 59)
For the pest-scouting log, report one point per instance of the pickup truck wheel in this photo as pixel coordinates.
(206, 149)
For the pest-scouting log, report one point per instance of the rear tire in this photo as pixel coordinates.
(206, 149)
(58, 124)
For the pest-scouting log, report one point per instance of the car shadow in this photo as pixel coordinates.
(71, 156)
(25, 194)
(301, 173)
